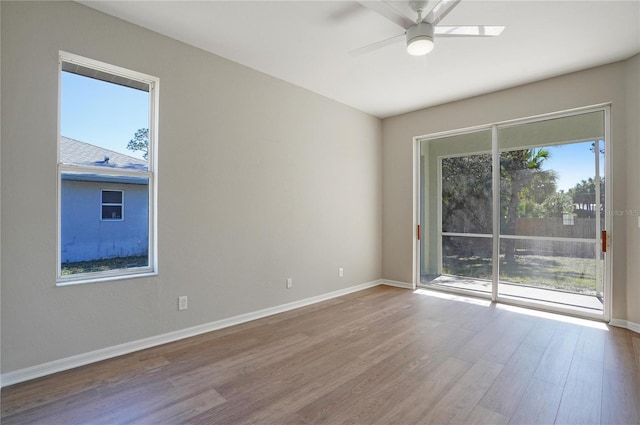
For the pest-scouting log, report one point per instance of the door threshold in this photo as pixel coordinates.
(563, 302)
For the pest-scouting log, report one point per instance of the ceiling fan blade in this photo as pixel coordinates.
(383, 9)
(440, 10)
(469, 31)
(377, 45)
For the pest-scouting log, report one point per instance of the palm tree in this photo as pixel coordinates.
(517, 171)
(584, 196)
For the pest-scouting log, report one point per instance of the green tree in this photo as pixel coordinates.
(558, 204)
(467, 200)
(466, 194)
(140, 142)
(529, 208)
(584, 196)
(522, 177)
(466, 203)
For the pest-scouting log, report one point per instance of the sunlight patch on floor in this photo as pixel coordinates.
(452, 297)
(514, 309)
(554, 316)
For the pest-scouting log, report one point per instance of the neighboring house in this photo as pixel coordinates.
(103, 215)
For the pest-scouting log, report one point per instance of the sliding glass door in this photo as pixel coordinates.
(516, 212)
(552, 204)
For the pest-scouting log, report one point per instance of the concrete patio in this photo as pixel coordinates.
(577, 301)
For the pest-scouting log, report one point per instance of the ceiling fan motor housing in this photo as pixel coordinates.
(420, 38)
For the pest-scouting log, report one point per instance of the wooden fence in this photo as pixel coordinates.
(581, 228)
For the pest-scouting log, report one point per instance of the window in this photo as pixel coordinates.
(106, 148)
(112, 205)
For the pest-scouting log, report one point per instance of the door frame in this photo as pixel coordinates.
(608, 225)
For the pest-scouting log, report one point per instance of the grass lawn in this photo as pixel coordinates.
(564, 273)
(104, 264)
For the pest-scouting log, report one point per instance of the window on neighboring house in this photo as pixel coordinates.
(107, 146)
(112, 205)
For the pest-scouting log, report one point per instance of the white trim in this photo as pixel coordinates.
(453, 290)
(552, 115)
(59, 365)
(551, 307)
(397, 284)
(467, 235)
(608, 220)
(107, 68)
(454, 132)
(417, 253)
(619, 323)
(495, 207)
(544, 145)
(439, 250)
(109, 275)
(548, 238)
(75, 168)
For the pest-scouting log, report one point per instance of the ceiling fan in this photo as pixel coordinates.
(419, 33)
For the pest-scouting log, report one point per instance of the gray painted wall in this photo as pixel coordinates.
(616, 83)
(259, 181)
(632, 249)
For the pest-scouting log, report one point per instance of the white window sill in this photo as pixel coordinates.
(103, 277)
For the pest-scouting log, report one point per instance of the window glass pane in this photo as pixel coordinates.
(94, 237)
(111, 212)
(467, 257)
(103, 124)
(111, 197)
(550, 177)
(551, 191)
(562, 272)
(456, 197)
(576, 128)
(466, 194)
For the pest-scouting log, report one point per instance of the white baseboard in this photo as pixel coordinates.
(625, 324)
(49, 368)
(396, 283)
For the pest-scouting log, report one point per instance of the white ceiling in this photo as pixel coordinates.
(307, 43)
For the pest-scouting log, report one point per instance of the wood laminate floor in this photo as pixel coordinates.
(380, 356)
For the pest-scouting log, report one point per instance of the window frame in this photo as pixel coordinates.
(111, 204)
(151, 174)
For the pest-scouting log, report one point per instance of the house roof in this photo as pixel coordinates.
(76, 152)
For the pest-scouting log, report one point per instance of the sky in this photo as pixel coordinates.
(101, 113)
(573, 163)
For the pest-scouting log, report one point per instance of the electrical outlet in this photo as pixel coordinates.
(289, 283)
(183, 303)
(340, 272)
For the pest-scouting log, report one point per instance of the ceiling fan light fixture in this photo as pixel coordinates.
(420, 39)
(420, 46)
